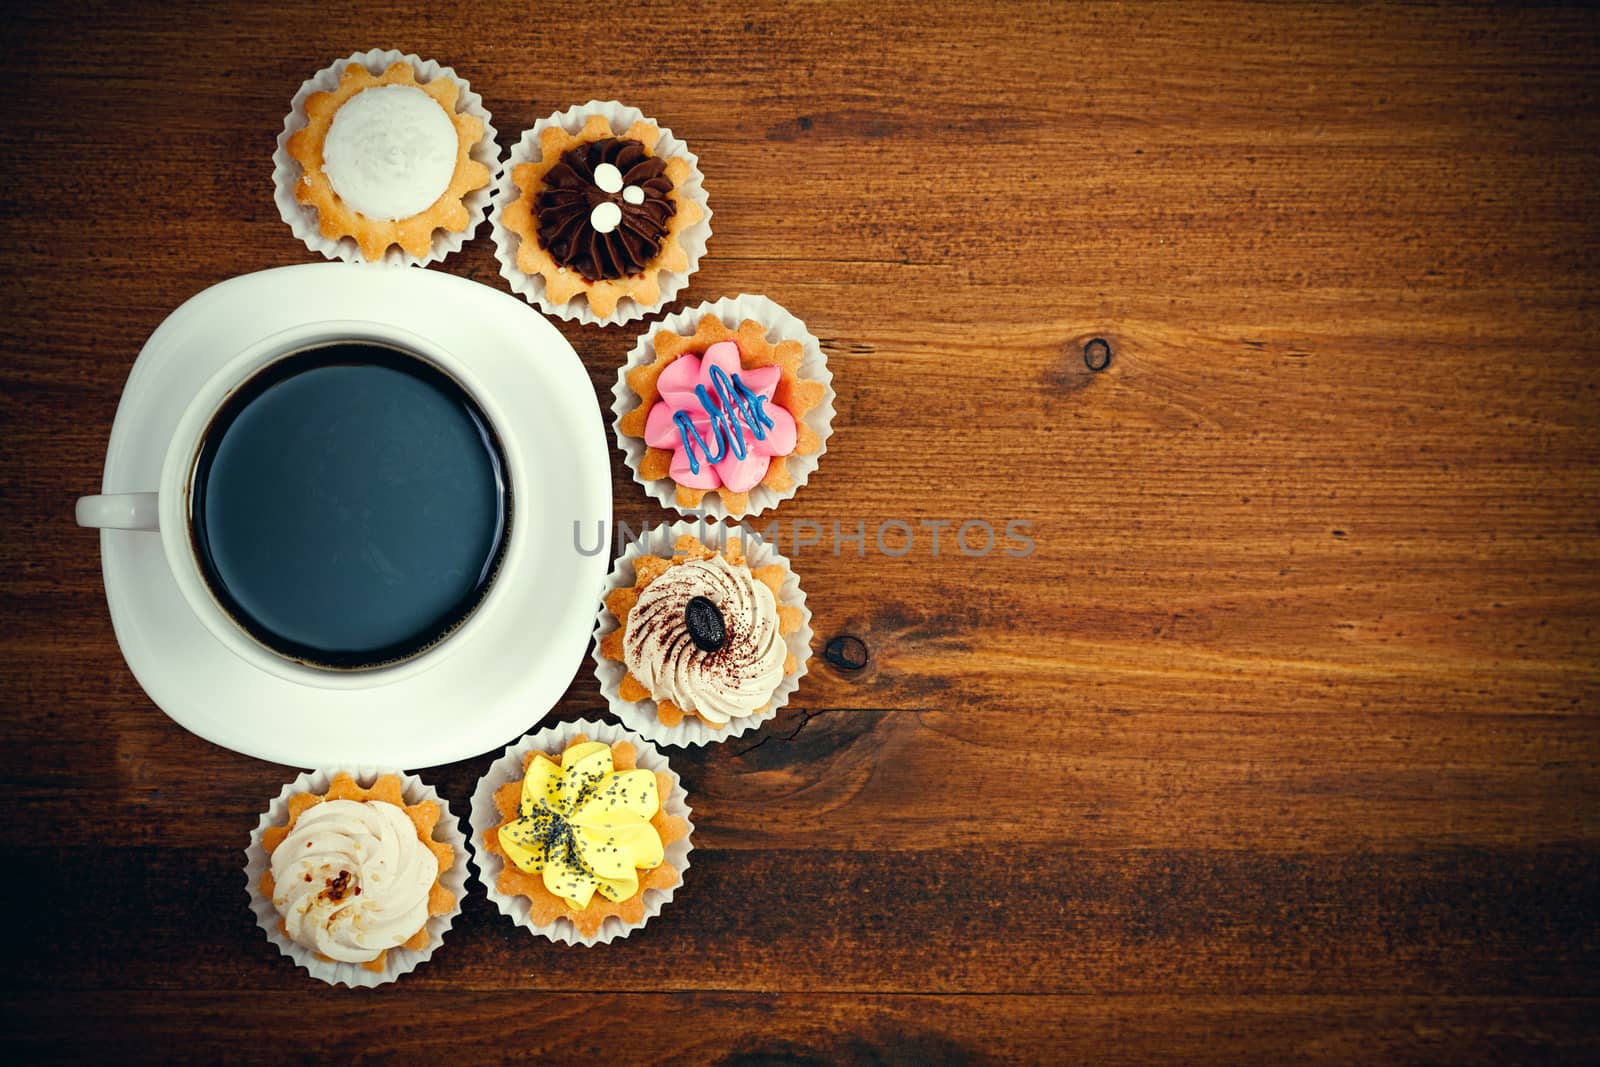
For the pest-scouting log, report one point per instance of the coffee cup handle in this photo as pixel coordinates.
(119, 511)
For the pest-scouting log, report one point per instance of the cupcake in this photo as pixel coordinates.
(581, 832)
(704, 644)
(385, 157)
(724, 409)
(357, 884)
(600, 214)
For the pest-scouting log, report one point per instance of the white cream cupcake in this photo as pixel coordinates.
(385, 158)
(356, 883)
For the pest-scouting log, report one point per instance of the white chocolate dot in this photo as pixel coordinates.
(608, 178)
(633, 194)
(605, 217)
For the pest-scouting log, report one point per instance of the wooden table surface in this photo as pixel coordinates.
(1282, 744)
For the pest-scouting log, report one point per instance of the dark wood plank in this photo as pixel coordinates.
(1024, 919)
(806, 1029)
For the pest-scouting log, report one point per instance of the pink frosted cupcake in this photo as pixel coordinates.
(724, 409)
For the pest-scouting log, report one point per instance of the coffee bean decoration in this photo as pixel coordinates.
(706, 628)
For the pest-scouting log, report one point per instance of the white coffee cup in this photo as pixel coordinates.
(165, 511)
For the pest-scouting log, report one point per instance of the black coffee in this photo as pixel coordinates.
(350, 505)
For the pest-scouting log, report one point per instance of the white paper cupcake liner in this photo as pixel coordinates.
(399, 961)
(640, 716)
(485, 819)
(531, 287)
(302, 218)
(781, 326)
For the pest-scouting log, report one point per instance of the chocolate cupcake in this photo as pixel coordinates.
(600, 215)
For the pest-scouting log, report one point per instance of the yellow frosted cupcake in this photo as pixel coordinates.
(581, 833)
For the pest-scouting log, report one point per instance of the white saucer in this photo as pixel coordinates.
(532, 631)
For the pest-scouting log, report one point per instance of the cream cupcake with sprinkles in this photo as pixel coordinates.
(724, 409)
(356, 874)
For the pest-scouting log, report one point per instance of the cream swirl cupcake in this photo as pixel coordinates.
(352, 879)
(356, 875)
(704, 644)
(705, 636)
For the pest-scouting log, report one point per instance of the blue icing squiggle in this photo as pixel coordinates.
(734, 403)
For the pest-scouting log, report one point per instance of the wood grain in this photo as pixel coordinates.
(815, 1030)
(1281, 744)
